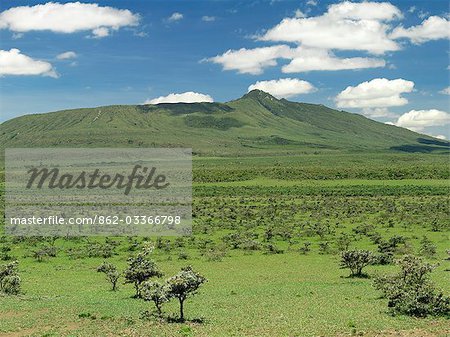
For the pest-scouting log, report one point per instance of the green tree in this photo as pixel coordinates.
(156, 292)
(185, 283)
(111, 273)
(140, 269)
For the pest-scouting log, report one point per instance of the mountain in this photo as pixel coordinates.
(256, 123)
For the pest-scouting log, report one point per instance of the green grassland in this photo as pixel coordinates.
(256, 287)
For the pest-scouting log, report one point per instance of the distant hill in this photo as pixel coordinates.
(256, 123)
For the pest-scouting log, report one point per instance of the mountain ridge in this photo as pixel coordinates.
(256, 123)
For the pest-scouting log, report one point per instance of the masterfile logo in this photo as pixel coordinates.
(98, 191)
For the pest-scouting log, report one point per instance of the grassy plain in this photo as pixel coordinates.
(252, 217)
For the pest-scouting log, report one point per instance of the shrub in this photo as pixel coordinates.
(111, 273)
(216, 253)
(9, 278)
(383, 258)
(356, 260)
(391, 246)
(411, 292)
(98, 249)
(11, 284)
(140, 269)
(183, 255)
(343, 242)
(5, 253)
(185, 283)
(324, 247)
(155, 292)
(40, 254)
(250, 244)
(270, 248)
(306, 248)
(427, 248)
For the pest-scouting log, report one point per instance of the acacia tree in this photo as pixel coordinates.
(184, 284)
(156, 292)
(140, 269)
(111, 273)
(356, 260)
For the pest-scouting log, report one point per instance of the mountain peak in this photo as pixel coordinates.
(259, 95)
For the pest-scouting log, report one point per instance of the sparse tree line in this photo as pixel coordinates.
(140, 272)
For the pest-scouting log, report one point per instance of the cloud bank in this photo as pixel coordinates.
(185, 97)
(346, 26)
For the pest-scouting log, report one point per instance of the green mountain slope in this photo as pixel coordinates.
(257, 123)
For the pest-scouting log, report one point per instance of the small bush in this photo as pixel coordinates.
(343, 242)
(305, 249)
(383, 258)
(5, 253)
(271, 248)
(324, 247)
(9, 278)
(183, 255)
(215, 254)
(356, 260)
(427, 248)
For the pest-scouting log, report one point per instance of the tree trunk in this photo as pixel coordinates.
(181, 310)
(158, 308)
(136, 286)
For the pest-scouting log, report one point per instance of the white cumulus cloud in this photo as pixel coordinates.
(433, 28)
(302, 59)
(208, 18)
(284, 87)
(251, 61)
(67, 18)
(445, 91)
(175, 17)
(377, 93)
(417, 120)
(362, 26)
(67, 55)
(185, 97)
(310, 59)
(13, 62)
(345, 26)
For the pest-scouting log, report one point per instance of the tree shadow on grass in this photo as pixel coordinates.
(358, 276)
(153, 316)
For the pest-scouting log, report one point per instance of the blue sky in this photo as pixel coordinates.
(156, 48)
